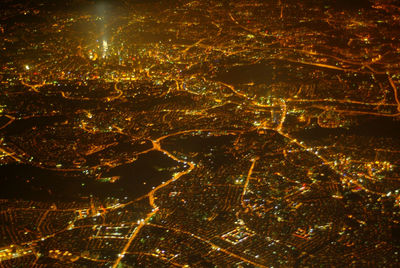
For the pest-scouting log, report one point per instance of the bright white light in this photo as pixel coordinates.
(105, 48)
(27, 67)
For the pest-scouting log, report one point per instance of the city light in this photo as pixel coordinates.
(200, 133)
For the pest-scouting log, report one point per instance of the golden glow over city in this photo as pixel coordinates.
(200, 133)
